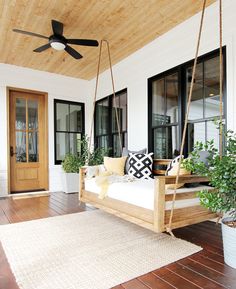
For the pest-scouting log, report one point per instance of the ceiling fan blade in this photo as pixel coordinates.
(29, 33)
(42, 48)
(85, 42)
(73, 52)
(57, 27)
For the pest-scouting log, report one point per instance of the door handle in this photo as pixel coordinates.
(12, 151)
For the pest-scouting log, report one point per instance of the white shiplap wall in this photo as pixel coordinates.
(57, 86)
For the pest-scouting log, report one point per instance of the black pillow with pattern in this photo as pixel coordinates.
(140, 166)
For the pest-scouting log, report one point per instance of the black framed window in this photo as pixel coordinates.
(167, 101)
(105, 122)
(69, 128)
(205, 104)
(165, 115)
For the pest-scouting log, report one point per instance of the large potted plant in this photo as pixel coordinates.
(72, 164)
(221, 172)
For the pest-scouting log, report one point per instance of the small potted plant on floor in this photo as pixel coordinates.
(70, 178)
(72, 164)
(221, 172)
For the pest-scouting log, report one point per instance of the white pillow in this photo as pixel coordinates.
(92, 171)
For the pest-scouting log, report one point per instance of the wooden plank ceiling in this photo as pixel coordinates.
(128, 25)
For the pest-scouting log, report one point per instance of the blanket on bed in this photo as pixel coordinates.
(103, 181)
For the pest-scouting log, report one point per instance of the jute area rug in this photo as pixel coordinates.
(89, 250)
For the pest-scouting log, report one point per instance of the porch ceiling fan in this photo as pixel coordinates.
(58, 41)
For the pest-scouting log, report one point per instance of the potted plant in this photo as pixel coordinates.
(72, 164)
(221, 172)
(70, 177)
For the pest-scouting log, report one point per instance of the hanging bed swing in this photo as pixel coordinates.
(149, 203)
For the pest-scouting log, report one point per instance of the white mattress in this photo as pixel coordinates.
(140, 193)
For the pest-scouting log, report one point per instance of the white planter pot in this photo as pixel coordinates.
(229, 243)
(70, 182)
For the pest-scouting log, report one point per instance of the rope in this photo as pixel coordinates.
(221, 82)
(168, 228)
(95, 95)
(94, 101)
(114, 96)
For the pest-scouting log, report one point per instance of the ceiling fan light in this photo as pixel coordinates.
(57, 45)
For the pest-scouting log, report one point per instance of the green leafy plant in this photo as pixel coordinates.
(221, 172)
(72, 163)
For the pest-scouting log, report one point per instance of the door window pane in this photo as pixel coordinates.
(172, 98)
(158, 102)
(33, 147)
(62, 117)
(33, 114)
(21, 147)
(20, 113)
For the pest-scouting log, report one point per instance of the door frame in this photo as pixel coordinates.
(45, 95)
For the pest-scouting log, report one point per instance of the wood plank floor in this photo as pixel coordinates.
(205, 269)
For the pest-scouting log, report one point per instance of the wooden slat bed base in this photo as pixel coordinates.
(181, 215)
(185, 195)
(187, 179)
(118, 213)
(123, 207)
(194, 220)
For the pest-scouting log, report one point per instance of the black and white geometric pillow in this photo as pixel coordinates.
(140, 166)
(172, 164)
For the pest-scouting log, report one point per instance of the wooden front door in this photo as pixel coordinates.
(28, 141)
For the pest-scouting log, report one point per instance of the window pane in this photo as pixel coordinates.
(125, 140)
(62, 145)
(103, 142)
(33, 114)
(196, 107)
(21, 147)
(76, 121)
(196, 132)
(213, 133)
(62, 117)
(166, 142)
(20, 113)
(172, 98)
(116, 146)
(120, 103)
(102, 119)
(33, 147)
(75, 143)
(158, 102)
(212, 87)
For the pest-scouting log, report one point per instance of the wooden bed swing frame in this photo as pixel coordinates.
(156, 220)
(159, 219)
